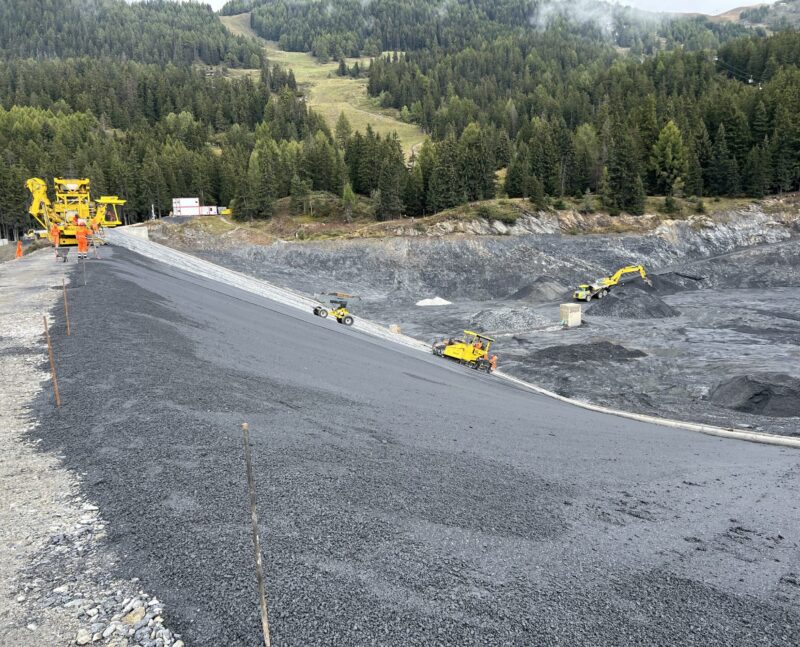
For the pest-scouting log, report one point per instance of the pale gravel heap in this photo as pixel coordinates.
(56, 577)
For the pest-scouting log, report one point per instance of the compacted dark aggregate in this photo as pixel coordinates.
(403, 500)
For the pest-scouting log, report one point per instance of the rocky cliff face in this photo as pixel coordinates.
(486, 265)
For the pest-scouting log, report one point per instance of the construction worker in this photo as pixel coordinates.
(493, 362)
(82, 236)
(18, 253)
(95, 234)
(55, 236)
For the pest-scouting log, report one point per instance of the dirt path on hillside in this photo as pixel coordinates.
(330, 94)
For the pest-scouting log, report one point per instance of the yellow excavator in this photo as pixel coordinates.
(73, 203)
(472, 350)
(601, 287)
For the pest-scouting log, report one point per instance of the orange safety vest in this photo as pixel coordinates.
(55, 234)
(81, 236)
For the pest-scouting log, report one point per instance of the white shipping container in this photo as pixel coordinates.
(185, 202)
(186, 211)
(208, 211)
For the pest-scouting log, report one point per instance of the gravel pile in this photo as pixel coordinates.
(631, 304)
(508, 320)
(542, 290)
(768, 394)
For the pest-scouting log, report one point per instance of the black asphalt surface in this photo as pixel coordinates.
(404, 500)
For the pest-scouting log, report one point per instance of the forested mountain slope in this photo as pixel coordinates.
(353, 27)
(568, 104)
(153, 31)
(779, 15)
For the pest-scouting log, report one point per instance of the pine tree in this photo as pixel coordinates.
(624, 189)
(343, 131)
(477, 164)
(446, 185)
(349, 202)
(414, 193)
(668, 159)
(536, 193)
(760, 126)
(694, 173)
(300, 191)
(723, 172)
(543, 156)
(389, 205)
(518, 173)
(758, 178)
(586, 145)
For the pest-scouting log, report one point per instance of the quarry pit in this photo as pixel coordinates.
(715, 339)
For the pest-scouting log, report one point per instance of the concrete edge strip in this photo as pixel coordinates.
(711, 430)
(206, 269)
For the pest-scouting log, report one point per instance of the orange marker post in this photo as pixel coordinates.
(66, 305)
(52, 363)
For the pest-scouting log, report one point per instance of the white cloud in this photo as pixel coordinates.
(711, 7)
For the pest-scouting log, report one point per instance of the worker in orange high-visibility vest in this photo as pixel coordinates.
(18, 253)
(82, 236)
(55, 237)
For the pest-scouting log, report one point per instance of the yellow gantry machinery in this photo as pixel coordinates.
(73, 203)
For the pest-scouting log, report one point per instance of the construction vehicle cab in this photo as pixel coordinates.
(107, 214)
(601, 287)
(335, 304)
(472, 350)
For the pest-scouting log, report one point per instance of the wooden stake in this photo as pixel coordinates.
(52, 363)
(256, 540)
(66, 305)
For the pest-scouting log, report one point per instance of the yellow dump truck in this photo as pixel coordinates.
(601, 287)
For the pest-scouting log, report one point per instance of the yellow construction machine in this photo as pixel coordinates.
(335, 304)
(73, 203)
(472, 350)
(601, 287)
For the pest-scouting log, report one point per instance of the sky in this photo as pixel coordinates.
(694, 6)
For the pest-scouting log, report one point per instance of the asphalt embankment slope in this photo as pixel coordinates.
(403, 500)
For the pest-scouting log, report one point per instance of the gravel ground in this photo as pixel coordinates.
(57, 578)
(403, 500)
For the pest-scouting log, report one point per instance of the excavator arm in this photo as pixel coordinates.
(628, 269)
(40, 204)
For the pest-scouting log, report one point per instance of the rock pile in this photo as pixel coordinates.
(601, 351)
(108, 612)
(766, 394)
(631, 304)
